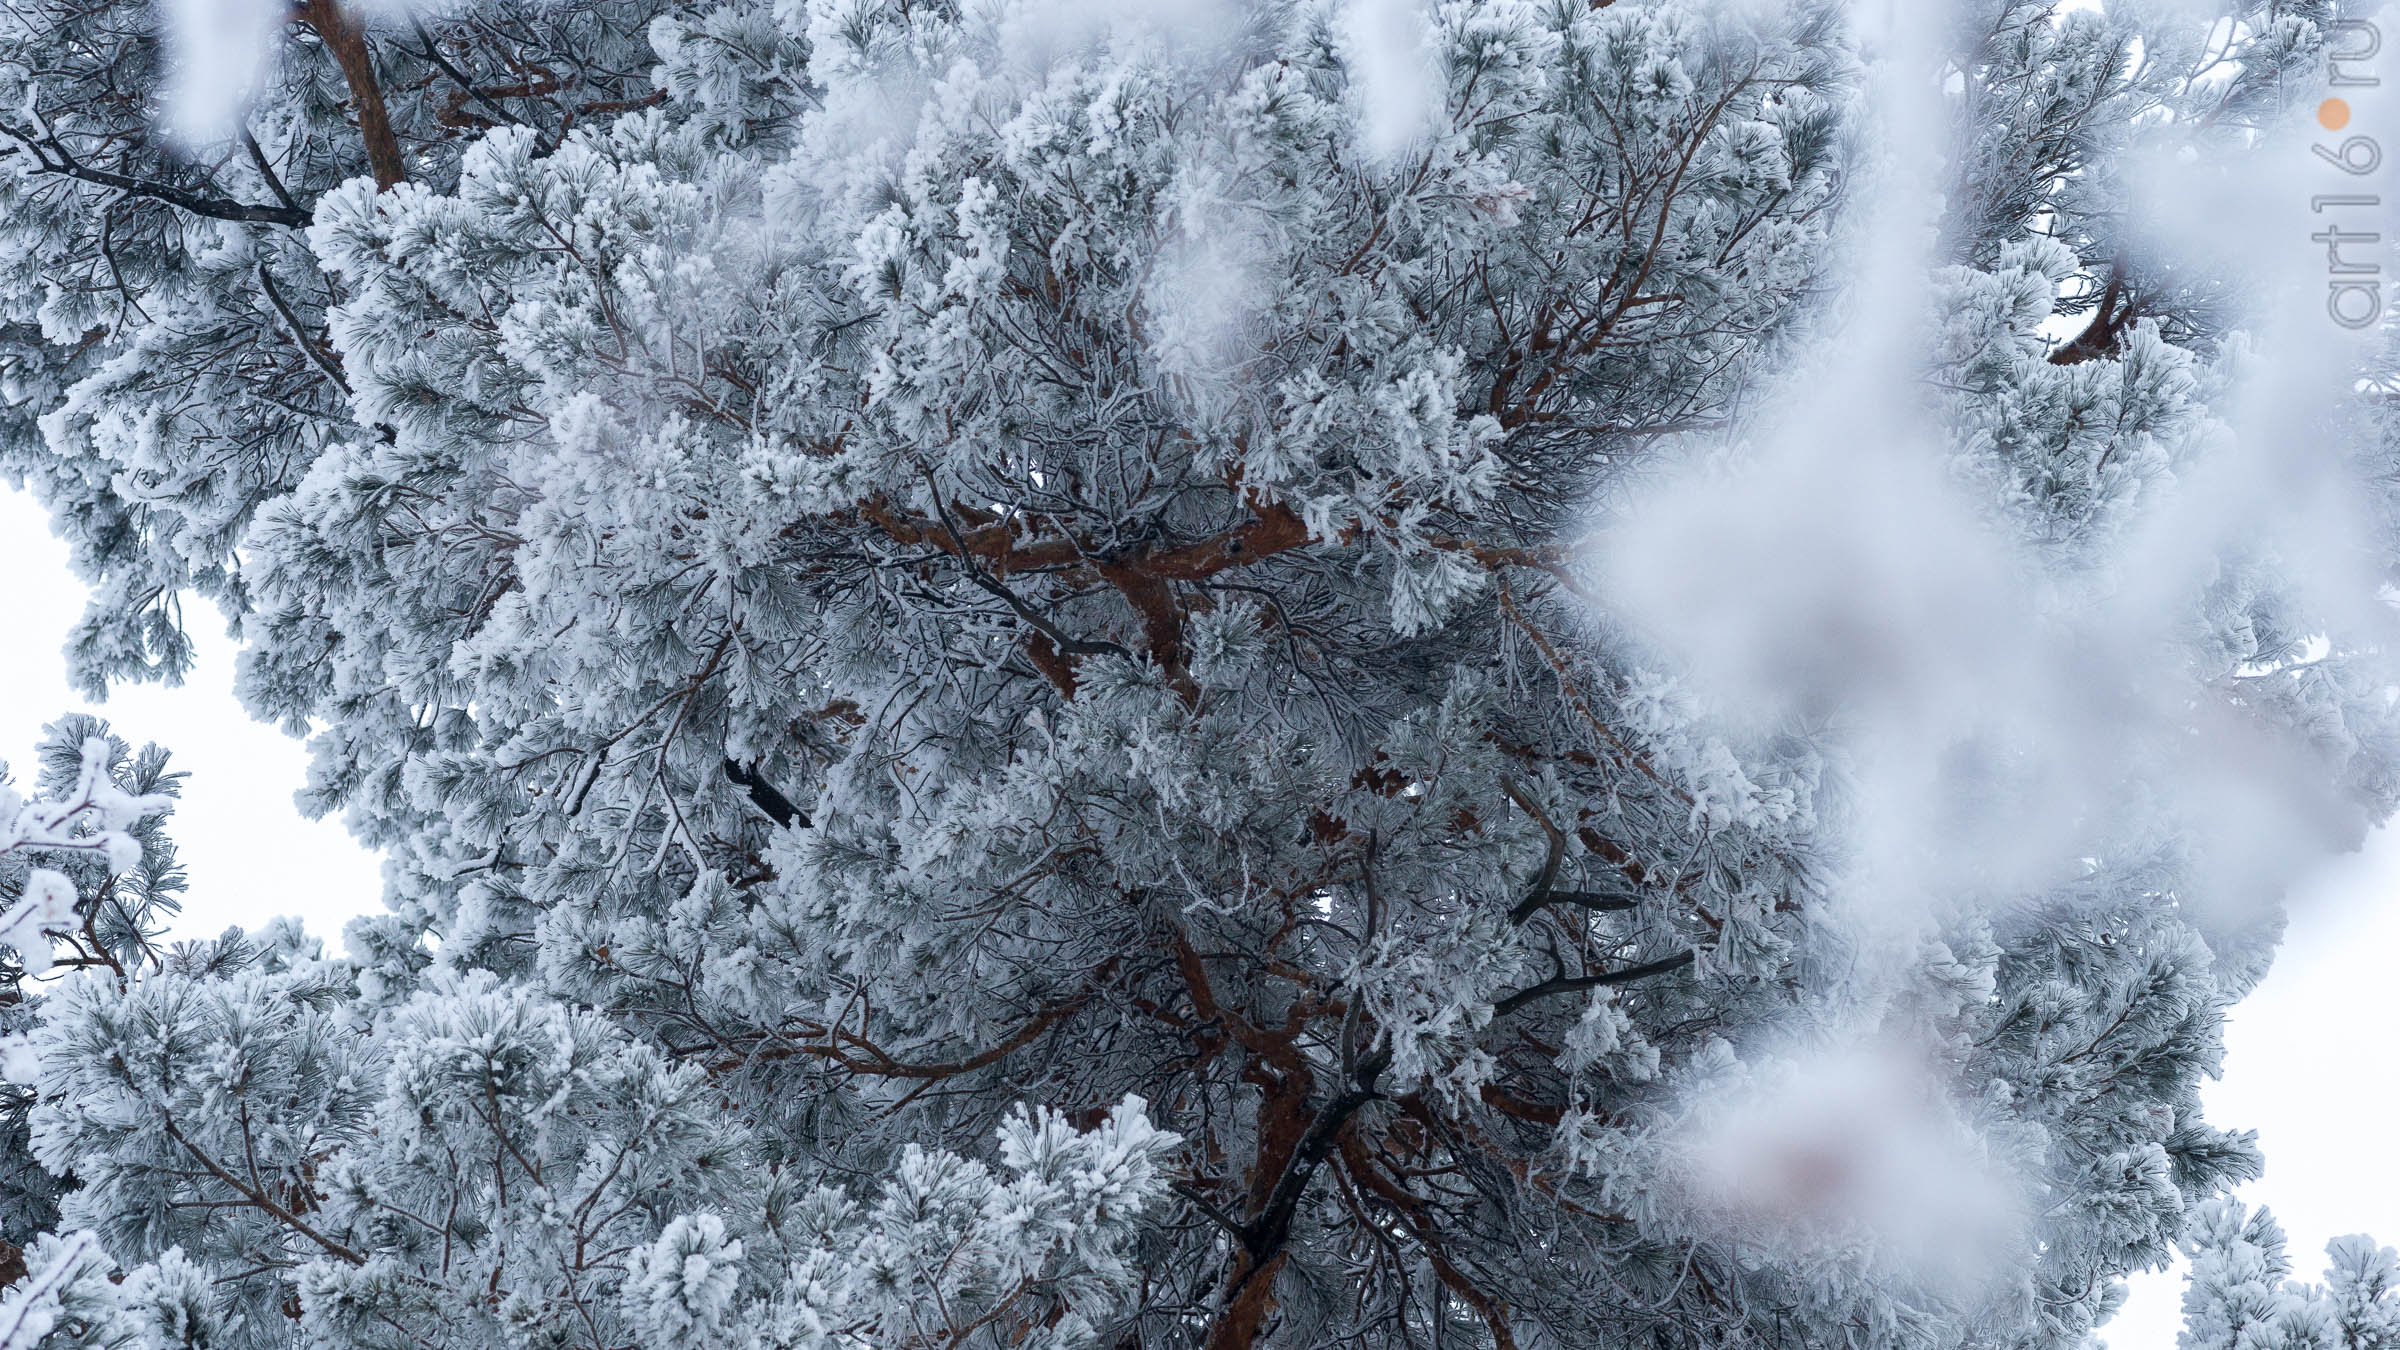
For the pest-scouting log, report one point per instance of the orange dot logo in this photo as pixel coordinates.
(2333, 114)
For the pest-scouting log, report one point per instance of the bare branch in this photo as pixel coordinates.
(51, 157)
(1573, 984)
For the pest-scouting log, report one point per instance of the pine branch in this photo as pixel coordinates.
(49, 156)
(323, 360)
(262, 1200)
(1540, 894)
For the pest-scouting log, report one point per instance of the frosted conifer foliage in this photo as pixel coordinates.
(2240, 1292)
(982, 639)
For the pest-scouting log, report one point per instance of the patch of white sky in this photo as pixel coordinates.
(248, 851)
(2305, 1067)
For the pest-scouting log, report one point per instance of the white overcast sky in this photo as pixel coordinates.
(250, 853)
(2305, 1066)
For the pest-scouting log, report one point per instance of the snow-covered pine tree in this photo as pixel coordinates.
(89, 878)
(968, 629)
(2238, 1295)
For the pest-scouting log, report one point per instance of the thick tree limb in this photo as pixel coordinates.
(1250, 1286)
(1274, 528)
(1295, 1137)
(2099, 337)
(992, 549)
(346, 39)
(468, 89)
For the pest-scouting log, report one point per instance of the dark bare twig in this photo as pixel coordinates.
(1572, 984)
(321, 359)
(763, 795)
(50, 157)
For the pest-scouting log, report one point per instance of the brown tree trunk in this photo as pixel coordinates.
(1251, 1297)
(347, 40)
(2099, 337)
